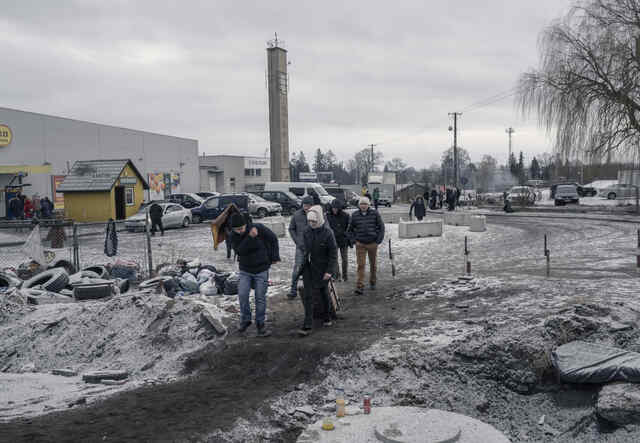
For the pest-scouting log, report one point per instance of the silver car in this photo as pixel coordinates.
(174, 216)
(261, 207)
(619, 191)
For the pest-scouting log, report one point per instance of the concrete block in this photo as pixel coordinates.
(277, 226)
(457, 218)
(478, 223)
(419, 229)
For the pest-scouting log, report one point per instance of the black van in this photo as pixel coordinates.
(212, 207)
(288, 200)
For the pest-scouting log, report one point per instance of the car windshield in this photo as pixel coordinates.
(291, 195)
(320, 190)
(567, 188)
(256, 198)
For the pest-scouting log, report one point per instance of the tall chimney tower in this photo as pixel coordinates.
(278, 110)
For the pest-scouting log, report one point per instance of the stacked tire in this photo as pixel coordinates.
(52, 280)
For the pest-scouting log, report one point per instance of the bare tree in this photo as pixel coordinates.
(586, 90)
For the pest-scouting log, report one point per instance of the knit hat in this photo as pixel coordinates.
(316, 214)
(237, 220)
(308, 200)
(364, 200)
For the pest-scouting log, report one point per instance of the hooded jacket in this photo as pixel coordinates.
(418, 208)
(255, 254)
(339, 223)
(320, 250)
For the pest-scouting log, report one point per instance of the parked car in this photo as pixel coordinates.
(522, 195)
(621, 190)
(288, 200)
(566, 194)
(174, 216)
(188, 200)
(583, 191)
(301, 189)
(261, 207)
(206, 195)
(384, 201)
(212, 207)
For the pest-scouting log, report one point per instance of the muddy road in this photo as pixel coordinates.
(590, 259)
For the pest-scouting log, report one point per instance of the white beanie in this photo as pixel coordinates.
(316, 214)
(364, 200)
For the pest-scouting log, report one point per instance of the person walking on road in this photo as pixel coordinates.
(257, 249)
(46, 207)
(434, 200)
(155, 212)
(418, 208)
(339, 223)
(320, 261)
(367, 230)
(376, 197)
(297, 227)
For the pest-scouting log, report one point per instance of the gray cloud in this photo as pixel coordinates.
(361, 73)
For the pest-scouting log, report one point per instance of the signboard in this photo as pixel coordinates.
(162, 184)
(308, 176)
(58, 197)
(257, 163)
(5, 135)
(128, 180)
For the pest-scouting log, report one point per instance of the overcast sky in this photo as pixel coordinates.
(361, 71)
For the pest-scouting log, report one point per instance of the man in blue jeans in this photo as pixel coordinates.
(257, 248)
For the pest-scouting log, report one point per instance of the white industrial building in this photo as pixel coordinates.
(233, 173)
(37, 150)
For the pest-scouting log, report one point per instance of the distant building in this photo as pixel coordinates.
(629, 177)
(382, 178)
(233, 173)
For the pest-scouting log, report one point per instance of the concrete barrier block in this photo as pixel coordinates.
(478, 223)
(457, 218)
(277, 226)
(418, 229)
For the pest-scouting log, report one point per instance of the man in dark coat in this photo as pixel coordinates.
(257, 249)
(434, 199)
(339, 223)
(367, 230)
(418, 208)
(320, 260)
(46, 207)
(16, 206)
(297, 226)
(155, 212)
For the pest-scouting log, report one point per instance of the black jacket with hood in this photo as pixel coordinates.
(256, 254)
(320, 251)
(339, 223)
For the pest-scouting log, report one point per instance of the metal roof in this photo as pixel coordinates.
(96, 175)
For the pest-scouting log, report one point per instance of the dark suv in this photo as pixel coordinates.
(212, 207)
(288, 200)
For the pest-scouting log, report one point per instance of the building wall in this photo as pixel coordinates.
(230, 176)
(89, 206)
(138, 192)
(39, 138)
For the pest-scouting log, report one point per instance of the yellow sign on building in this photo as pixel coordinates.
(5, 135)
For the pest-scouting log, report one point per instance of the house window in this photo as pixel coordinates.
(249, 172)
(129, 196)
(258, 172)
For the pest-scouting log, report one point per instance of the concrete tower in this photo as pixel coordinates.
(278, 110)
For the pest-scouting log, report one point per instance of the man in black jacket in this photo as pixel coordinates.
(367, 229)
(339, 223)
(257, 248)
(155, 212)
(320, 260)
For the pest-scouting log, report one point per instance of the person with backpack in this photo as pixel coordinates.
(257, 249)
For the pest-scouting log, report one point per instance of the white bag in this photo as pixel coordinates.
(32, 247)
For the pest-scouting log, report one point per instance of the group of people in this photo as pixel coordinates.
(435, 199)
(375, 198)
(322, 237)
(23, 208)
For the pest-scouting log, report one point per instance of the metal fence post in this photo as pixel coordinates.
(466, 256)
(547, 255)
(149, 254)
(76, 248)
(638, 251)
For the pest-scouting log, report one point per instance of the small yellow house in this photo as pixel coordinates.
(97, 190)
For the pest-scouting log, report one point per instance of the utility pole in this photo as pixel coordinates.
(509, 131)
(455, 146)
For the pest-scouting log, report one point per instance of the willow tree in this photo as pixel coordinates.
(586, 89)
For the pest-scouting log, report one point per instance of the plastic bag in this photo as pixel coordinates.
(231, 285)
(208, 288)
(204, 275)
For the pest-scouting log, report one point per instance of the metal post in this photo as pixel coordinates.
(547, 255)
(637, 199)
(466, 255)
(76, 248)
(149, 255)
(638, 251)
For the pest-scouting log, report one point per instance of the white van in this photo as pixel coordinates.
(300, 189)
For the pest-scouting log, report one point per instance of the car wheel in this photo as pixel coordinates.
(185, 222)
(262, 212)
(611, 195)
(196, 219)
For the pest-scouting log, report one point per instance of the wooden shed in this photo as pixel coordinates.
(97, 190)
